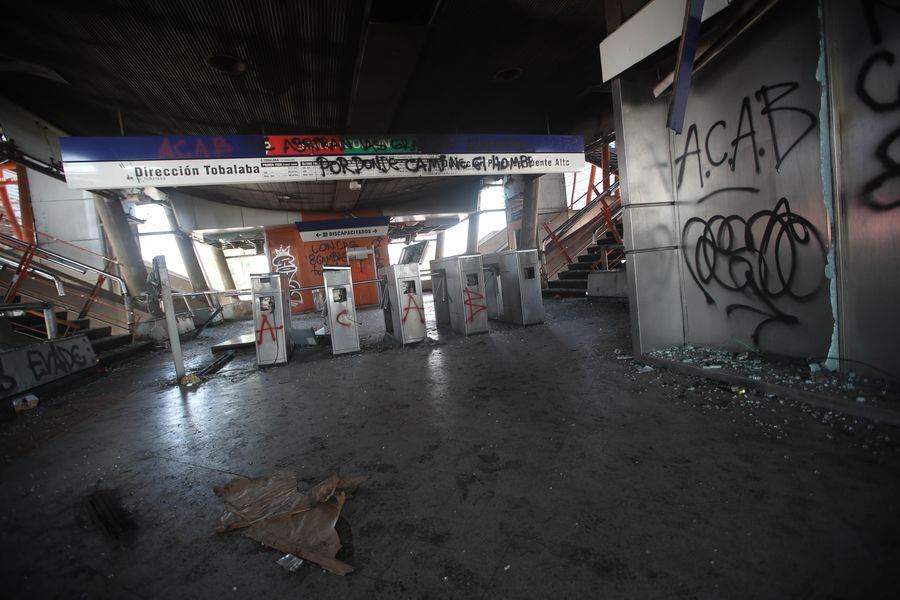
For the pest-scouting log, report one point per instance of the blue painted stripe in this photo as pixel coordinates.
(111, 149)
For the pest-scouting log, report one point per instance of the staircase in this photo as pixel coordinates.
(110, 348)
(573, 280)
(81, 305)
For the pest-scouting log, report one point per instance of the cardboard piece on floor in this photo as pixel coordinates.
(273, 512)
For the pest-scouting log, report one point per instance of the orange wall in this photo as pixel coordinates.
(287, 252)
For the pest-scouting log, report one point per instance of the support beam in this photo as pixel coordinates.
(439, 244)
(224, 269)
(188, 254)
(472, 239)
(528, 238)
(124, 243)
(165, 292)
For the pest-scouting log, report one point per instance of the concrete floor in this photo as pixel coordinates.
(529, 462)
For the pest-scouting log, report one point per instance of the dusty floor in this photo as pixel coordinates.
(529, 462)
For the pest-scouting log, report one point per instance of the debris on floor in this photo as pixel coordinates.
(189, 380)
(273, 512)
(107, 509)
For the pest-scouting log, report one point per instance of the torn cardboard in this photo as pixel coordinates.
(273, 512)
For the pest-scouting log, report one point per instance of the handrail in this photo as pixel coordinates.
(53, 238)
(61, 260)
(60, 289)
(560, 231)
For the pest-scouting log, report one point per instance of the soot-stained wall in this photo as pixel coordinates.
(770, 248)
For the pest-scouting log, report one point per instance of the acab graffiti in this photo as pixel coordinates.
(720, 149)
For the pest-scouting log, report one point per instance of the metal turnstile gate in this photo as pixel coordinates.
(513, 287)
(459, 299)
(341, 310)
(404, 307)
(271, 318)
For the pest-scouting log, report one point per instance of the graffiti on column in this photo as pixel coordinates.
(760, 256)
(876, 193)
(284, 262)
(772, 102)
(470, 302)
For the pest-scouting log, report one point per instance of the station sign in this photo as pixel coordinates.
(171, 161)
(338, 229)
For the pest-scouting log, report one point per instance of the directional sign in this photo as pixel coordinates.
(336, 229)
(128, 162)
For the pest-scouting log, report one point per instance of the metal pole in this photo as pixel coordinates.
(165, 290)
(50, 322)
(472, 239)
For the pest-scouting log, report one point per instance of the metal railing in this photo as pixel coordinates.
(23, 268)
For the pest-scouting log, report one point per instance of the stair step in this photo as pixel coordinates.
(575, 284)
(589, 258)
(38, 319)
(576, 274)
(94, 333)
(565, 292)
(601, 244)
(123, 353)
(579, 266)
(101, 344)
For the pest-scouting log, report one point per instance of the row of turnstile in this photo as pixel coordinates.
(468, 290)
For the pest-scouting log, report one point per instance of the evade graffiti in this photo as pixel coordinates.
(760, 256)
(284, 262)
(54, 360)
(882, 192)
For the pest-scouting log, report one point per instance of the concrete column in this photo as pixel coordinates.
(472, 239)
(224, 269)
(188, 254)
(124, 243)
(439, 245)
(528, 239)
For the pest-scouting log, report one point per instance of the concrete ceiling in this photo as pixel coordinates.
(190, 67)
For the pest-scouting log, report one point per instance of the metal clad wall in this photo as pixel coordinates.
(864, 75)
(649, 224)
(753, 223)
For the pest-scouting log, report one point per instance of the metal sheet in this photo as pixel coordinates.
(462, 284)
(342, 321)
(866, 123)
(607, 284)
(646, 181)
(654, 26)
(653, 292)
(270, 299)
(27, 367)
(513, 287)
(750, 197)
(404, 311)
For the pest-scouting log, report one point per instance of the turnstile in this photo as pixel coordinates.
(513, 287)
(458, 287)
(341, 310)
(271, 301)
(404, 308)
